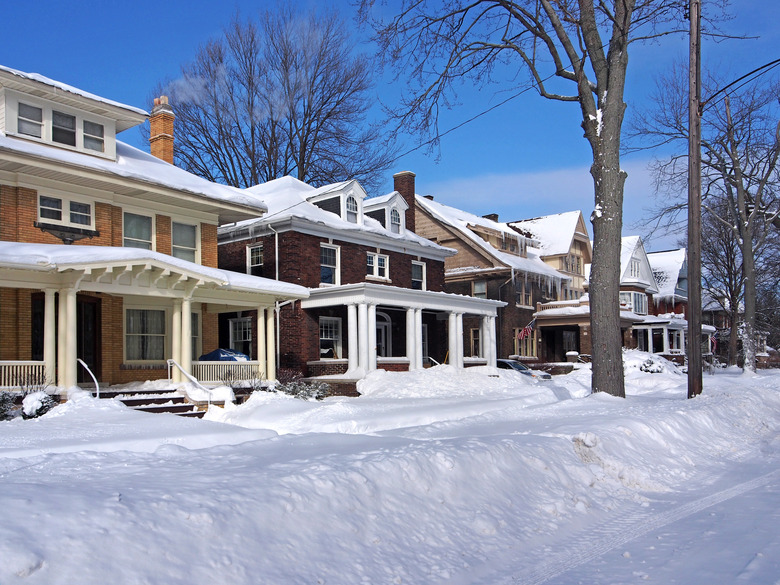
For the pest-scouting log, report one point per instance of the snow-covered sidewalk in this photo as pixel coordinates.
(429, 477)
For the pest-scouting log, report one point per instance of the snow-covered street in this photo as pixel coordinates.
(439, 476)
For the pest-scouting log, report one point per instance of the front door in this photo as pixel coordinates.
(88, 337)
(383, 335)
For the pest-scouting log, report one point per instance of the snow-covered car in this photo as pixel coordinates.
(523, 369)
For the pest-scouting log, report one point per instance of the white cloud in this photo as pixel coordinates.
(522, 195)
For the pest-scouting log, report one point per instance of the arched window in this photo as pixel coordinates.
(352, 209)
(395, 221)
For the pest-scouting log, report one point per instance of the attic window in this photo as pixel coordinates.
(63, 128)
(30, 120)
(395, 221)
(635, 268)
(93, 136)
(352, 209)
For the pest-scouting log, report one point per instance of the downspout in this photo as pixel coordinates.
(276, 250)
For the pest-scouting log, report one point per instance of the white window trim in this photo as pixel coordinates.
(144, 214)
(338, 346)
(399, 223)
(337, 269)
(196, 225)
(65, 211)
(424, 273)
(249, 264)
(12, 124)
(166, 335)
(376, 256)
(232, 327)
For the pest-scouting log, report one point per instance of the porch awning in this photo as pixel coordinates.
(133, 271)
(378, 294)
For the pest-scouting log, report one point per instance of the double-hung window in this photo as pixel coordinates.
(329, 264)
(63, 128)
(395, 221)
(64, 212)
(184, 240)
(30, 120)
(145, 334)
(479, 289)
(254, 260)
(418, 275)
(377, 265)
(94, 138)
(352, 209)
(241, 335)
(330, 337)
(137, 231)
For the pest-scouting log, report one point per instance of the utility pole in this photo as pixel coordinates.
(694, 202)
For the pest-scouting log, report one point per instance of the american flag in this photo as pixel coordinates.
(527, 330)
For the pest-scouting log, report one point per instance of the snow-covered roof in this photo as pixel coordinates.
(134, 164)
(125, 116)
(554, 233)
(632, 247)
(666, 269)
(288, 199)
(460, 220)
(60, 258)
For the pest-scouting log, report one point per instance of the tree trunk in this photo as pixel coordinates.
(604, 288)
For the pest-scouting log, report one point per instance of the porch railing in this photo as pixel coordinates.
(212, 372)
(15, 374)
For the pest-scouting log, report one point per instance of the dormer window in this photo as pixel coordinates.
(61, 126)
(352, 209)
(93, 136)
(30, 121)
(635, 268)
(395, 221)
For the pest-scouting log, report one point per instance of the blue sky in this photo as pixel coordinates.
(524, 159)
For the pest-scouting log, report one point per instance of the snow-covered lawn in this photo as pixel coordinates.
(437, 476)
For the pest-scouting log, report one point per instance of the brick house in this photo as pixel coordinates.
(376, 287)
(108, 255)
(494, 261)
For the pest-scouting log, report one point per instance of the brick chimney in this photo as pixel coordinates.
(491, 216)
(161, 129)
(403, 182)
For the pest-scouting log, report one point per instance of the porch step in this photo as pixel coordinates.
(154, 401)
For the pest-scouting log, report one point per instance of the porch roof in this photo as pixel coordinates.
(133, 271)
(379, 294)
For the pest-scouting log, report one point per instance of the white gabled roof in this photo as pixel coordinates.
(666, 269)
(288, 201)
(555, 233)
(632, 247)
(460, 221)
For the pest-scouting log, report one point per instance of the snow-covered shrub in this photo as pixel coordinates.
(36, 404)
(231, 378)
(8, 408)
(304, 390)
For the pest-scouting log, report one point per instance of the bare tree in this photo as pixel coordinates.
(740, 173)
(283, 95)
(574, 51)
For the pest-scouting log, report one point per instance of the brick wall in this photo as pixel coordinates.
(208, 245)
(163, 233)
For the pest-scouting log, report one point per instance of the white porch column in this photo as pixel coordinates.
(411, 346)
(649, 333)
(71, 331)
(371, 337)
(270, 344)
(666, 339)
(49, 337)
(186, 335)
(484, 337)
(452, 339)
(682, 340)
(362, 311)
(491, 347)
(418, 336)
(62, 339)
(352, 338)
(176, 376)
(459, 339)
(262, 356)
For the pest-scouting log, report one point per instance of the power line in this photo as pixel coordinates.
(766, 68)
